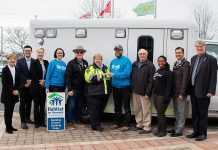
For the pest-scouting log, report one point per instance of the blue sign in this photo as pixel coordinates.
(55, 123)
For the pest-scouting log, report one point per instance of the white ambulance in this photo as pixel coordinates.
(159, 37)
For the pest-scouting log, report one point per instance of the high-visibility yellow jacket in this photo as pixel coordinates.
(96, 83)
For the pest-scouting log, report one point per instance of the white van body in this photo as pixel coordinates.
(159, 37)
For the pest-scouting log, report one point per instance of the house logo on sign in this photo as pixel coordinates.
(56, 111)
(55, 99)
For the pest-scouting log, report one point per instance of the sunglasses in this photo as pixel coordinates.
(79, 52)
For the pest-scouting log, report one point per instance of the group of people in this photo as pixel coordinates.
(33, 78)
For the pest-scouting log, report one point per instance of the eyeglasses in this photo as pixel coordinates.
(79, 52)
(142, 53)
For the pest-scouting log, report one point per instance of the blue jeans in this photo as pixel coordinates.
(74, 106)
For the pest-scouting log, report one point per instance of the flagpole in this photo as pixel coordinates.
(102, 6)
(92, 10)
(112, 8)
(155, 4)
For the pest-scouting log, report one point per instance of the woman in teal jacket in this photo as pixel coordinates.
(55, 77)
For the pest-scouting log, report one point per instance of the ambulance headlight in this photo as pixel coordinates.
(51, 33)
(39, 33)
(120, 33)
(176, 34)
(81, 33)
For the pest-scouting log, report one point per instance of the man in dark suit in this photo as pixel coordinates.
(203, 85)
(181, 73)
(9, 96)
(37, 88)
(24, 66)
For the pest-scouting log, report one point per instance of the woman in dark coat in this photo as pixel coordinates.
(98, 90)
(163, 83)
(9, 96)
(38, 89)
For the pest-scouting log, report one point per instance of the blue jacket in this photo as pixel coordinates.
(121, 67)
(55, 73)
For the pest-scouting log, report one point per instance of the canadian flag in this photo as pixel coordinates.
(86, 16)
(106, 10)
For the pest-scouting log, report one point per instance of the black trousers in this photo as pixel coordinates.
(54, 88)
(25, 104)
(96, 105)
(199, 114)
(161, 107)
(122, 96)
(8, 114)
(39, 108)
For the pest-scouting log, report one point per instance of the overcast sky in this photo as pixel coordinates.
(19, 12)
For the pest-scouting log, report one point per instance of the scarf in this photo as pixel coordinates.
(178, 64)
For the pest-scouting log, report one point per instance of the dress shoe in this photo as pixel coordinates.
(24, 126)
(136, 129)
(29, 121)
(139, 128)
(71, 125)
(43, 125)
(9, 131)
(156, 133)
(145, 131)
(125, 128)
(114, 127)
(176, 134)
(13, 129)
(201, 138)
(80, 124)
(191, 136)
(99, 129)
(36, 126)
(162, 134)
(171, 131)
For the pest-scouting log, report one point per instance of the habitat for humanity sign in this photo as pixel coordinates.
(55, 111)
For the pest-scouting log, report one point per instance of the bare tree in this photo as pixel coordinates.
(205, 20)
(15, 38)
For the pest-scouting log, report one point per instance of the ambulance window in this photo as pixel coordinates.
(212, 49)
(146, 42)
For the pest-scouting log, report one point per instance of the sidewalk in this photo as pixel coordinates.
(85, 139)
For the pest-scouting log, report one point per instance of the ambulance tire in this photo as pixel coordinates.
(85, 117)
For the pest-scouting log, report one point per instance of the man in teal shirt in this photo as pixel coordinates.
(121, 68)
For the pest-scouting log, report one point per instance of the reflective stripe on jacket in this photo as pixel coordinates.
(96, 83)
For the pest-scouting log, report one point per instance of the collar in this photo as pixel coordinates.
(26, 58)
(11, 67)
(178, 64)
(142, 63)
(96, 66)
(179, 61)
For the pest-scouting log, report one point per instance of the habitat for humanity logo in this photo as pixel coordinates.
(55, 99)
